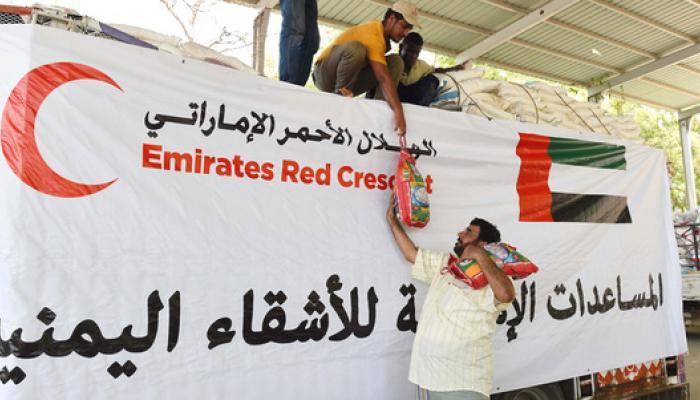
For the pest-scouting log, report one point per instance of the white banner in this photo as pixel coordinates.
(175, 229)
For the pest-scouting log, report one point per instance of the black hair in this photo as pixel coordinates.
(487, 231)
(413, 38)
(390, 12)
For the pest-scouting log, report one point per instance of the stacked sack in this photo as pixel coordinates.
(177, 46)
(533, 102)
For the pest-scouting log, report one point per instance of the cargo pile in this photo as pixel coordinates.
(533, 102)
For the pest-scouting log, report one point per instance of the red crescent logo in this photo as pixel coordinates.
(17, 130)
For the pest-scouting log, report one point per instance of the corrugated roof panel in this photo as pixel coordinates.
(544, 63)
(451, 38)
(527, 4)
(332, 9)
(677, 15)
(655, 94)
(617, 26)
(678, 77)
(692, 61)
(430, 6)
(485, 16)
(580, 46)
(681, 15)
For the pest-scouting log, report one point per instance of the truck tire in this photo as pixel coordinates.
(550, 391)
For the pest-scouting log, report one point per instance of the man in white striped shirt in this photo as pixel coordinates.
(452, 356)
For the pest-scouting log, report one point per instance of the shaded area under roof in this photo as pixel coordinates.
(581, 42)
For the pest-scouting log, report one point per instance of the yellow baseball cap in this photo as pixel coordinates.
(408, 10)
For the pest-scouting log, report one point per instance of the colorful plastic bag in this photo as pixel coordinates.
(412, 206)
(507, 257)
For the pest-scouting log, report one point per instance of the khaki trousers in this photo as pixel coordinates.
(347, 66)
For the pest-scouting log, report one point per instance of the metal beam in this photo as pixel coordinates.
(644, 20)
(688, 113)
(518, 42)
(684, 126)
(506, 6)
(575, 29)
(670, 59)
(514, 29)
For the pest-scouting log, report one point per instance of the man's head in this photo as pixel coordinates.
(400, 19)
(410, 48)
(479, 232)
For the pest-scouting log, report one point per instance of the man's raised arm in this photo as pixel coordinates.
(388, 87)
(408, 249)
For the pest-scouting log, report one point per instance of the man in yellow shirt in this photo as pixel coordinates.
(417, 84)
(356, 63)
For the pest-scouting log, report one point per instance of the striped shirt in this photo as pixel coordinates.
(452, 348)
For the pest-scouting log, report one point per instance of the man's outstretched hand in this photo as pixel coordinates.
(391, 212)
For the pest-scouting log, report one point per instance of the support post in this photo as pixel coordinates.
(684, 125)
(259, 35)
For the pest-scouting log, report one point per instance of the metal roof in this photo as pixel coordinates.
(645, 49)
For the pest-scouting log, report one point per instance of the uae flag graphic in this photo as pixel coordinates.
(539, 204)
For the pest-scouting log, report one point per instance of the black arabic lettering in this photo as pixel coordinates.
(339, 138)
(161, 120)
(351, 325)
(274, 322)
(406, 320)
(317, 327)
(220, 332)
(561, 314)
(212, 121)
(364, 150)
(87, 339)
(173, 320)
(242, 125)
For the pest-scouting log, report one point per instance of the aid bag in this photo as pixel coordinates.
(512, 262)
(412, 206)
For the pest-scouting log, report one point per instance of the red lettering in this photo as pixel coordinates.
(323, 175)
(208, 161)
(237, 166)
(197, 160)
(180, 160)
(428, 184)
(358, 178)
(381, 182)
(341, 176)
(223, 167)
(151, 155)
(370, 180)
(252, 170)
(267, 171)
(289, 170)
(307, 175)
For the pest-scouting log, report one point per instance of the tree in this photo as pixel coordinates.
(660, 130)
(188, 13)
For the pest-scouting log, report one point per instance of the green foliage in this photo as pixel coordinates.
(444, 61)
(660, 130)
